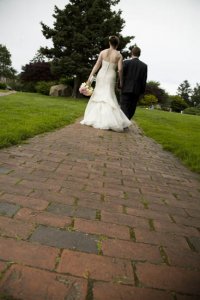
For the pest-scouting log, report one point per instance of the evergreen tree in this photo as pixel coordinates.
(80, 32)
(39, 57)
(195, 98)
(6, 70)
(184, 91)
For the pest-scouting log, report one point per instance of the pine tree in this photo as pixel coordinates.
(80, 32)
(184, 91)
(195, 98)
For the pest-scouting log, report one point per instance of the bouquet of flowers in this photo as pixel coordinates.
(86, 89)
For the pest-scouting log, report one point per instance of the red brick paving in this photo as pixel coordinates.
(104, 291)
(138, 203)
(96, 266)
(31, 284)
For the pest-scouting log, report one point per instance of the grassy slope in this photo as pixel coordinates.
(177, 133)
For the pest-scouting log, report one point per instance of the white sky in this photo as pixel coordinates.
(167, 31)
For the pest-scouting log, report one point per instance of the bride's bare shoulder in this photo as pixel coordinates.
(119, 54)
(105, 51)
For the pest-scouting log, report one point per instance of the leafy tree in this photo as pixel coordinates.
(149, 100)
(184, 91)
(177, 103)
(195, 97)
(36, 71)
(153, 88)
(6, 69)
(80, 32)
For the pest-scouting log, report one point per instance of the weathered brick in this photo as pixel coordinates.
(195, 240)
(65, 239)
(15, 228)
(133, 202)
(167, 209)
(108, 291)
(183, 258)
(25, 201)
(98, 227)
(34, 284)
(99, 204)
(42, 217)
(158, 238)
(193, 212)
(184, 297)
(184, 202)
(8, 209)
(39, 185)
(188, 221)
(106, 191)
(147, 213)
(96, 267)
(68, 210)
(16, 189)
(169, 278)
(53, 197)
(28, 253)
(61, 209)
(4, 170)
(175, 228)
(80, 194)
(124, 219)
(134, 251)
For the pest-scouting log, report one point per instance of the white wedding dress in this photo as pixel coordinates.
(103, 110)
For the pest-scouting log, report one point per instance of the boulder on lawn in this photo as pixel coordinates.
(60, 90)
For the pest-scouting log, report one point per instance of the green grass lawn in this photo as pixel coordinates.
(24, 115)
(178, 133)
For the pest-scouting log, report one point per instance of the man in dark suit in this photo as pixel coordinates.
(133, 82)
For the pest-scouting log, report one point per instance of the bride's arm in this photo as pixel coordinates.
(120, 65)
(95, 68)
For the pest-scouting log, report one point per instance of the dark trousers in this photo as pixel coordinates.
(128, 103)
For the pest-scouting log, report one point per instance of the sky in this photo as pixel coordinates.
(167, 31)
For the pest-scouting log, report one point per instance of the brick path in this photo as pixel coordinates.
(97, 215)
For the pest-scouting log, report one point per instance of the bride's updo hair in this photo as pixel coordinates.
(114, 41)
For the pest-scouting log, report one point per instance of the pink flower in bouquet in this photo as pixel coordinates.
(85, 89)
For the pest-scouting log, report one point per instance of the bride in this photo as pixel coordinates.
(103, 110)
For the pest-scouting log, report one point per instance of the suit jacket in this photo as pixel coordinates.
(134, 76)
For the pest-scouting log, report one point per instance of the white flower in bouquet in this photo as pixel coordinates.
(86, 89)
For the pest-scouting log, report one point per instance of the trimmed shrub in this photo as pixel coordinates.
(2, 86)
(43, 87)
(16, 85)
(192, 111)
(28, 87)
